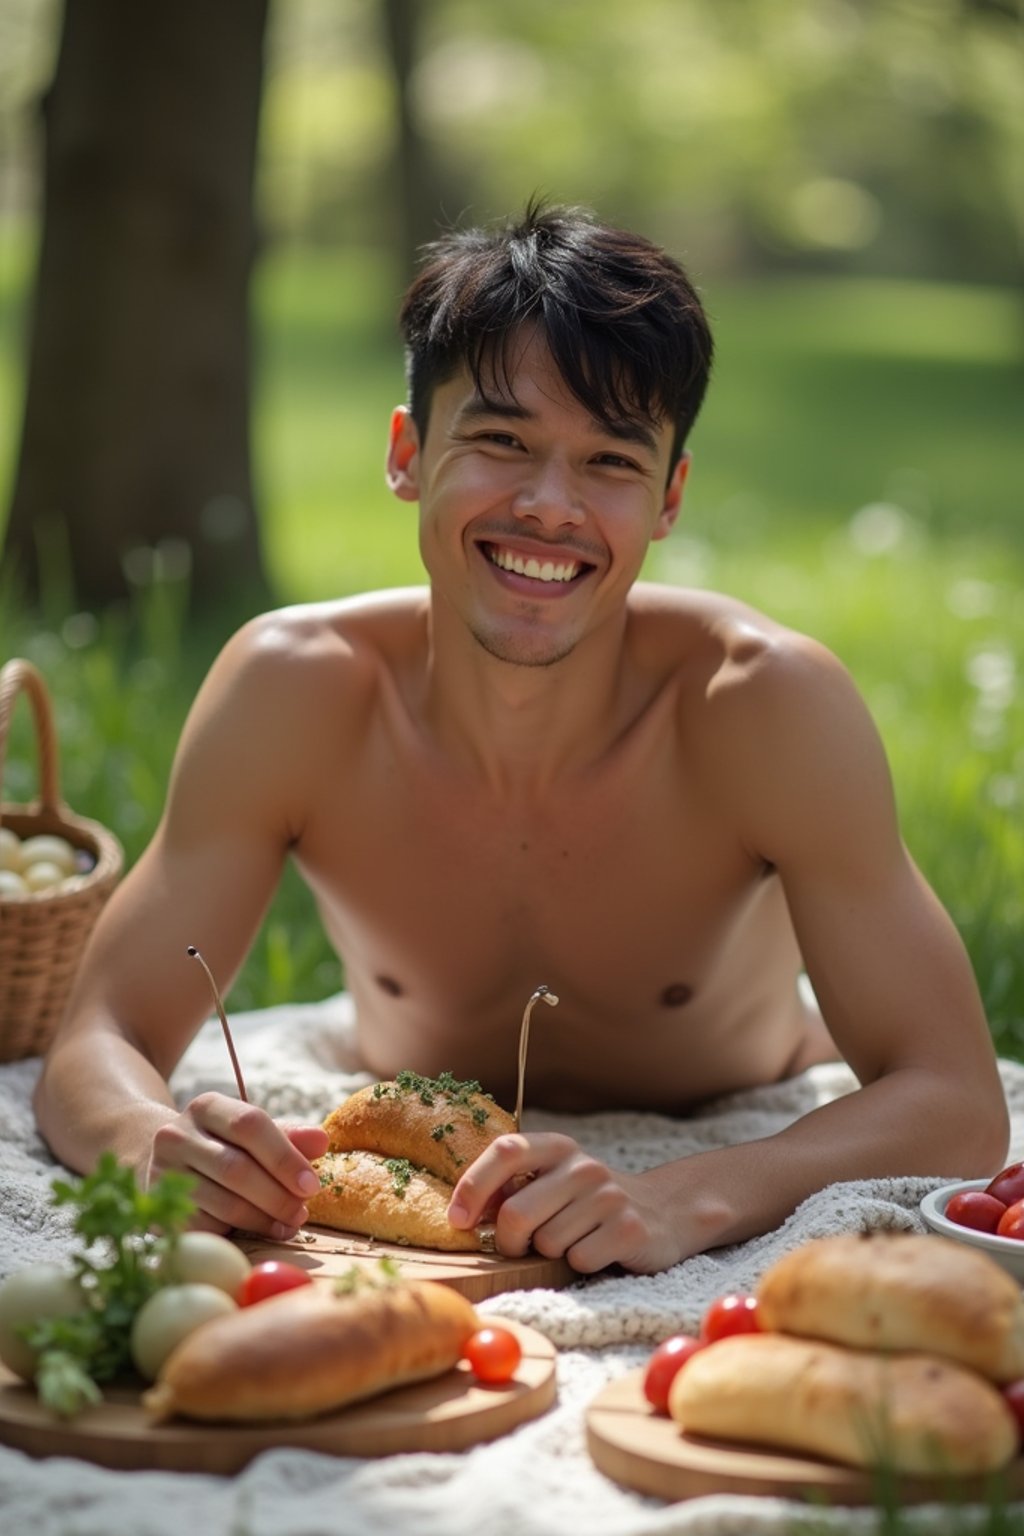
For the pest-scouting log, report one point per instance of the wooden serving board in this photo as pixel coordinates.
(326, 1253)
(447, 1414)
(644, 1450)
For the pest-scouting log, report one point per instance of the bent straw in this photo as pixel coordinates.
(223, 1022)
(524, 1037)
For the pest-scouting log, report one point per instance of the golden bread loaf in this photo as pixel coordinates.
(910, 1414)
(435, 1123)
(312, 1350)
(389, 1199)
(899, 1291)
(396, 1150)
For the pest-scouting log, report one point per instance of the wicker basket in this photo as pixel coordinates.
(43, 934)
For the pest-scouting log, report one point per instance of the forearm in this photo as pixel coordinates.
(98, 1093)
(909, 1122)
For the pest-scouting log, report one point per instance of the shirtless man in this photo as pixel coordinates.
(658, 802)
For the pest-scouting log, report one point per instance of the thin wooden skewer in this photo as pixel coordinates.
(223, 1023)
(524, 1037)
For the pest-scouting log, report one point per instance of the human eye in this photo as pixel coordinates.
(610, 460)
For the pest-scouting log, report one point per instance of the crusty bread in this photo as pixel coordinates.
(312, 1350)
(389, 1199)
(912, 1414)
(899, 1291)
(435, 1123)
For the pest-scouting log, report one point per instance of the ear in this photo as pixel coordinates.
(673, 499)
(403, 461)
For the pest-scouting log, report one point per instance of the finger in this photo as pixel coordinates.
(507, 1158)
(268, 1145)
(224, 1210)
(311, 1140)
(244, 1183)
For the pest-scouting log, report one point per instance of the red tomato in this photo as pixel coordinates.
(664, 1366)
(270, 1279)
(728, 1315)
(1008, 1186)
(1011, 1222)
(975, 1208)
(493, 1354)
(1014, 1395)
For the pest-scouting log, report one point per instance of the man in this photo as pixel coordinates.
(657, 802)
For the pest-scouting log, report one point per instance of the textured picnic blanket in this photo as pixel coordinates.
(537, 1481)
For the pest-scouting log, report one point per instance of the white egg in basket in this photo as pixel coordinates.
(1007, 1251)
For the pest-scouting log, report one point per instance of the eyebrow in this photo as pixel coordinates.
(625, 432)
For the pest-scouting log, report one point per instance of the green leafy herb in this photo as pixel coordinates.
(127, 1231)
(356, 1278)
(401, 1171)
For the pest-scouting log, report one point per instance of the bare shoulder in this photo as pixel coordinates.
(291, 686)
(771, 719)
(729, 652)
(346, 635)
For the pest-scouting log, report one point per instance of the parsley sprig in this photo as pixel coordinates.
(127, 1231)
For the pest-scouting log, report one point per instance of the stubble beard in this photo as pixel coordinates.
(521, 652)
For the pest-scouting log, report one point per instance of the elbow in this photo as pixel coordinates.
(983, 1136)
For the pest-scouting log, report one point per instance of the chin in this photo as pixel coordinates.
(519, 653)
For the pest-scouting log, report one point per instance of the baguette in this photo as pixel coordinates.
(434, 1123)
(899, 1291)
(389, 1199)
(313, 1350)
(910, 1414)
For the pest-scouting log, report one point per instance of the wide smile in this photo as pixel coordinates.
(555, 572)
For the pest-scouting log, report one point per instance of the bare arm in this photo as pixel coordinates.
(234, 806)
(807, 783)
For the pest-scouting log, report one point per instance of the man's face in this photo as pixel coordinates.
(534, 517)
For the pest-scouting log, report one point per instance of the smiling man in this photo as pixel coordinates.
(659, 802)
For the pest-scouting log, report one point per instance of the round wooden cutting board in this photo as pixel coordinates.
(450, 1413)
(644, 1450)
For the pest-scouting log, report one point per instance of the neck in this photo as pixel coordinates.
(522, 727)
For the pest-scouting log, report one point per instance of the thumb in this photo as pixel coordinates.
(310, 1140)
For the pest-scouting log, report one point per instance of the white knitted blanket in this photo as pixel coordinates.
(537, 1481)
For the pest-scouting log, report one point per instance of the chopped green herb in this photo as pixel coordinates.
(401, 1171)
(133, 1228)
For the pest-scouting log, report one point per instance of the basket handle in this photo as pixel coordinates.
(20, 675)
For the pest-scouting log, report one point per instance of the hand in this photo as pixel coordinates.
(251, 1173)
(573, 1206)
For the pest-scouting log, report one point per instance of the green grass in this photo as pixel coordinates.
(856, 474)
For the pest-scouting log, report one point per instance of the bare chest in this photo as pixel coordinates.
(626, 893)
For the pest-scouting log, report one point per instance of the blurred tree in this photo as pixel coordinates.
(136, 423)
(416, 184)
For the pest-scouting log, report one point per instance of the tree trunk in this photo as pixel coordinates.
(414, 173)
(136, 425)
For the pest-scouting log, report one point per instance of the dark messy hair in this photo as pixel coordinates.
(624, 324)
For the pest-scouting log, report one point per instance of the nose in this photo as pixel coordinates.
(549, 496)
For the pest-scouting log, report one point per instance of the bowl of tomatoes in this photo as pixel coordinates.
(987, 1214)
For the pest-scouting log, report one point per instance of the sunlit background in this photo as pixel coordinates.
(844, 180)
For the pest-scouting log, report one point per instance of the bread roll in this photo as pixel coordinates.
(435, 1123)
(389, 1199)
(312, 1350)
(899, 1291)
(910, 1414)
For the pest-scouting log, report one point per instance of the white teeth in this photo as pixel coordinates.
(533, 568)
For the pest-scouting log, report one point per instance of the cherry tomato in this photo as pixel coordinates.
(664, 1366)
(1011, 1222)
(1014, 1395)
(975, 1208)
(270, 1279)
(493, 1354)
(1008, 1186)
(730, 1314)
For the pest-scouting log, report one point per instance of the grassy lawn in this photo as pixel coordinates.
(856, 474)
